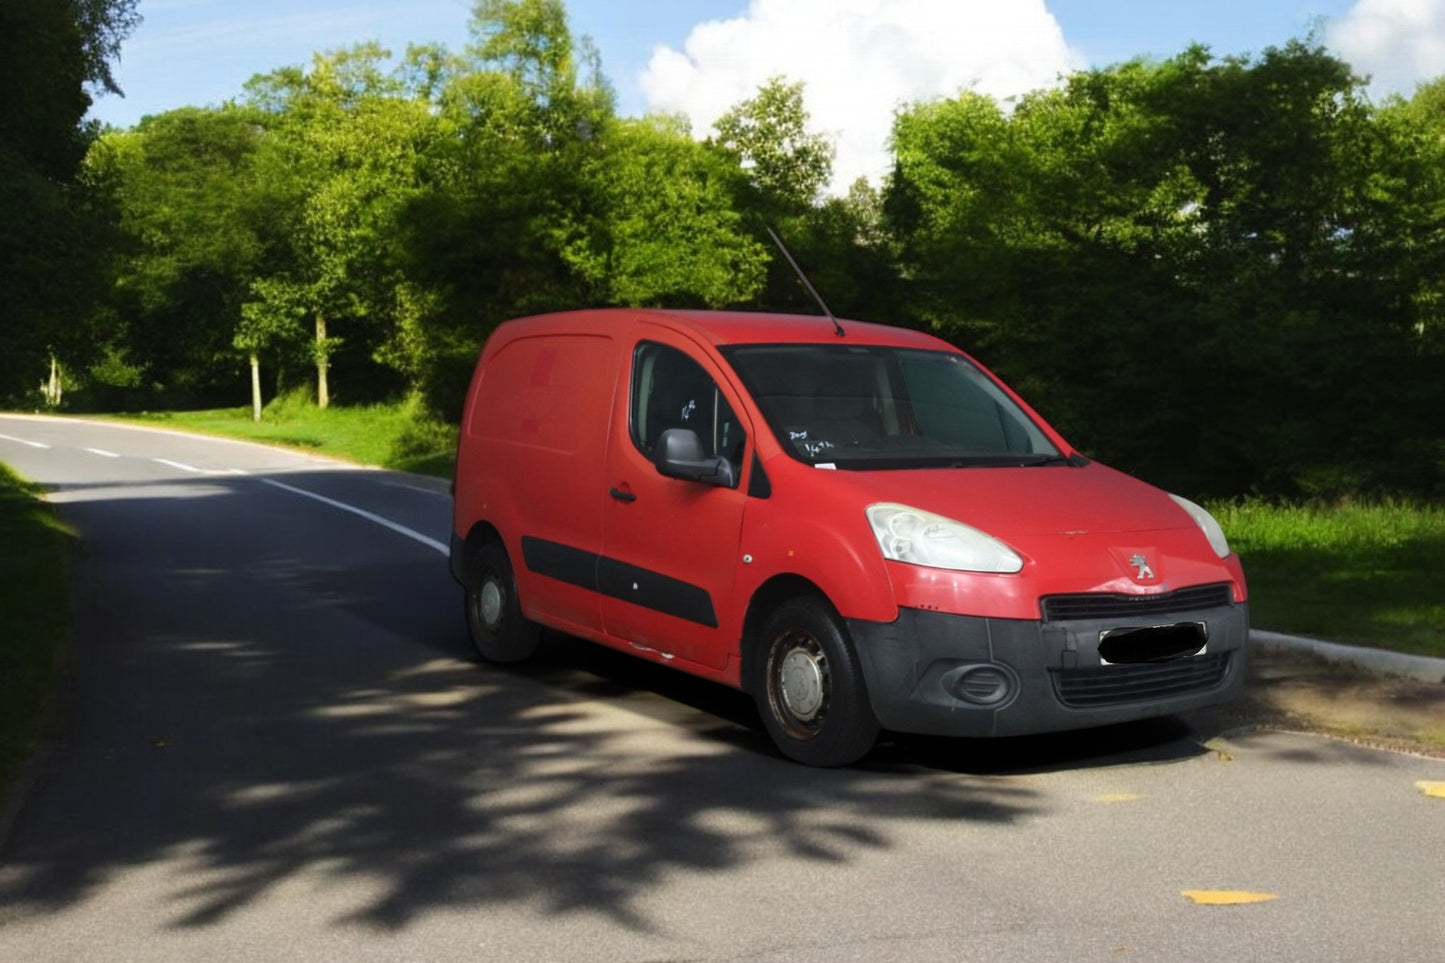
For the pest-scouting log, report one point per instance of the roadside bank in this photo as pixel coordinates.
(1369, 696)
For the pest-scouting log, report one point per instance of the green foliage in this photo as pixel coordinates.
(1202, 271)
(32, 596)
(103, 24)
(1227, 276)
(1365, 573)
(54, 231)
(780, 169)
(185, 186)
(425, 444)
(343, 145)
(845, 251)
(662, 230)
(530, 42)
(767, 137)
(275, 314)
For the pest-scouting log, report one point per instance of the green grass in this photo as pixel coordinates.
(390, 435)
(33, 600)
(1365, 574)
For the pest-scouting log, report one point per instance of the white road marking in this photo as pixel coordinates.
(175, 464)
(32, 444)
(429, 542)
(192, 469)
(363, 513)
(197, 471)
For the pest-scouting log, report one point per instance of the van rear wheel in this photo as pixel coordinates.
(811, 694)
(498, 629)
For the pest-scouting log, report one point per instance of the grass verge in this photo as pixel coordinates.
(1365, 574)
(398, 436)
(33, 600)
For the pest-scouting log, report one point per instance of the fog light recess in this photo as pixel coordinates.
(981, 685)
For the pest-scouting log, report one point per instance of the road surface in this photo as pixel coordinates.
(275, 745)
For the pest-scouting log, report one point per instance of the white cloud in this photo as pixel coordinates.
(860, 60)
(1397, 43)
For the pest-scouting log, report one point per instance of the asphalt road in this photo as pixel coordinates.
(274, 745)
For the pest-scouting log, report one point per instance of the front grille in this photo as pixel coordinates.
(1102, 605)
(1113, 684)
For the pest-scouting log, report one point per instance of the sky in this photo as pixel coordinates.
(859, 59)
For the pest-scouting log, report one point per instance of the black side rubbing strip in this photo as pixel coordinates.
(655, 591)
(619, 580)
(562, 562)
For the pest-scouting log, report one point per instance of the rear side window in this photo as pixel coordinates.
(670, 390)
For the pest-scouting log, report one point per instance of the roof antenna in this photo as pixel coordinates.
(837, 328)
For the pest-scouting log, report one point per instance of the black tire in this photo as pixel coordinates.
(808, 687)
(494, 615)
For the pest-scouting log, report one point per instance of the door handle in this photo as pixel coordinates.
(622, 496)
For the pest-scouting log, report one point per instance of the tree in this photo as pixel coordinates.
(344, 143)
(767, 137)
(504, 195)
(185, 187)
(275, 316)
(53, 231)
(529, 41)
(849, 257)
(1194, 266)
(663, 229)
(784, 169)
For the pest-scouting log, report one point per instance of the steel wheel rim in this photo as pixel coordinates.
(799, 683)
(491, 604)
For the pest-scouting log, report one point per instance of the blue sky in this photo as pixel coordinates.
(858, 58)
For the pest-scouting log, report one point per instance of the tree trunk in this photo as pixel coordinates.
(255, 387)
(323, 363)
(52, 389)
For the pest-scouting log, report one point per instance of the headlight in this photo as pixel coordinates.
(923, 538)
(1206, 521)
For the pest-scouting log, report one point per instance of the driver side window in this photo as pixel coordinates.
(670, 390)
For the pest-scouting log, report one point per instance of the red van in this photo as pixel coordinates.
(856, 524)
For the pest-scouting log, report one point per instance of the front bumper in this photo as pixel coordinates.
(942, 674)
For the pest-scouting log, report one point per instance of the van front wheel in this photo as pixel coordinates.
(494, 616)
(811, 694)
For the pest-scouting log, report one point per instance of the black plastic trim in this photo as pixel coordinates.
(655, 591)
(913, 666)
(562, 562)
(619, 580)
(758, 484)
(1106, 605)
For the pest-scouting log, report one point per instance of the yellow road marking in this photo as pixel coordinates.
(1436, 789)
(1226, 897)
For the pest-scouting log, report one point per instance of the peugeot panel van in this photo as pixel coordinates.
(856, 524)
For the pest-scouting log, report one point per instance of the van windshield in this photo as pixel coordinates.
(868, 407)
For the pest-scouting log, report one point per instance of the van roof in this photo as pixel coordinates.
(748, 327)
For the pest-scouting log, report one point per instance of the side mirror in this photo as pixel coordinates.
(679, 455)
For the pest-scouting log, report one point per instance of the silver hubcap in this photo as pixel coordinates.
(801, 675)
(489, 604)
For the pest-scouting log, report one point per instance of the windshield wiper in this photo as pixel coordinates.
(1075, 460)
(896, 463)
(1019, 461)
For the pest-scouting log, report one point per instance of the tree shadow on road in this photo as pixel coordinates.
(257, 710)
